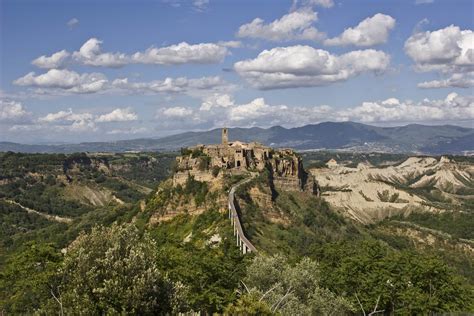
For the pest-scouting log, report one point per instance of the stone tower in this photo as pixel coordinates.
(225, 137)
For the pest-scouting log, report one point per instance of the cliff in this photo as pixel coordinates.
(209, 163)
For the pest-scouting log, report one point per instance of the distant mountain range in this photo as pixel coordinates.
(421, 139)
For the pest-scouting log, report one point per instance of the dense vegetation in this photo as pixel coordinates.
(109, 260)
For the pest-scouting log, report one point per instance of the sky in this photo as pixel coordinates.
(74, 71)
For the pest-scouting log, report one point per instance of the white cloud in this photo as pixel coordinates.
(216, 100)
(67, 121)
(251, 111)
(448, 50)
(172, 85)
(177, 112)
(77, 122)
(73, 22)
(66, 116)
(305, 66)
(12, 111)
(182, 53)
(458, 80)
(452, 108)
(56, 60)
(260, 113)
(295, 25)
(66, 80)
(118, 115)
(371, 31)
(91, 54)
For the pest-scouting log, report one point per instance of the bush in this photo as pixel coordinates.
(113, 271)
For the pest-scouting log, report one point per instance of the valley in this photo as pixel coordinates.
(335, 209)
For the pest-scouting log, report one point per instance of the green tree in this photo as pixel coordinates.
(403, 282)
(28, 277)
(249, 304)
(111, 271)
(292, 289)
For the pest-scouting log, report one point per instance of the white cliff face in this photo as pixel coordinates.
(367, 193)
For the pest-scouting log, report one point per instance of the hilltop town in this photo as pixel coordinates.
(207, 162)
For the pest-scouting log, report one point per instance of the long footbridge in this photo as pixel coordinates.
(242, 242)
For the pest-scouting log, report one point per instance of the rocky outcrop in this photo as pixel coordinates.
(285, 166)
(288, 173)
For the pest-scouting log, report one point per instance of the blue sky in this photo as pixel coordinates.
(101, 70)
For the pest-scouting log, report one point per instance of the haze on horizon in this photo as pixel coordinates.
(95, 71)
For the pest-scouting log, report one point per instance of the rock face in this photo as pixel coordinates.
(288, 173)
(368, 193)
(205, 163)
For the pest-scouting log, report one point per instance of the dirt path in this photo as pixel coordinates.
(49, 217)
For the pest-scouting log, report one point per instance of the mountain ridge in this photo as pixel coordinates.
(351, 136)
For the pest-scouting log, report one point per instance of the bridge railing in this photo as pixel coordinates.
(242, 242)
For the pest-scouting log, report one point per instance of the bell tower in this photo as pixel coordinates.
(225, 137)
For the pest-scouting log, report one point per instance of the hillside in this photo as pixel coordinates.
(446, 139)
(367, 193)
(182, 230)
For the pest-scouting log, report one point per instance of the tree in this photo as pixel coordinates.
(249, 304)
(405, 282)
(291, 289)
(112, 271)
(27, 278)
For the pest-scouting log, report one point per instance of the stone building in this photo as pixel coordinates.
(235, 155)
(285, 166)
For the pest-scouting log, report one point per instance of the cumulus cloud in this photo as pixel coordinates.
(63, 82)
(305, 66)
(56, 60)
(66, 80)
(91, 54)
(216, 100)
(73, 22)
(371, 31)
(453, 107)
(448, 51)
(258, 112)
(12, 111)
(84, 121)
(118, 115)
(295, 25)
(182, 53)
(67, 120)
